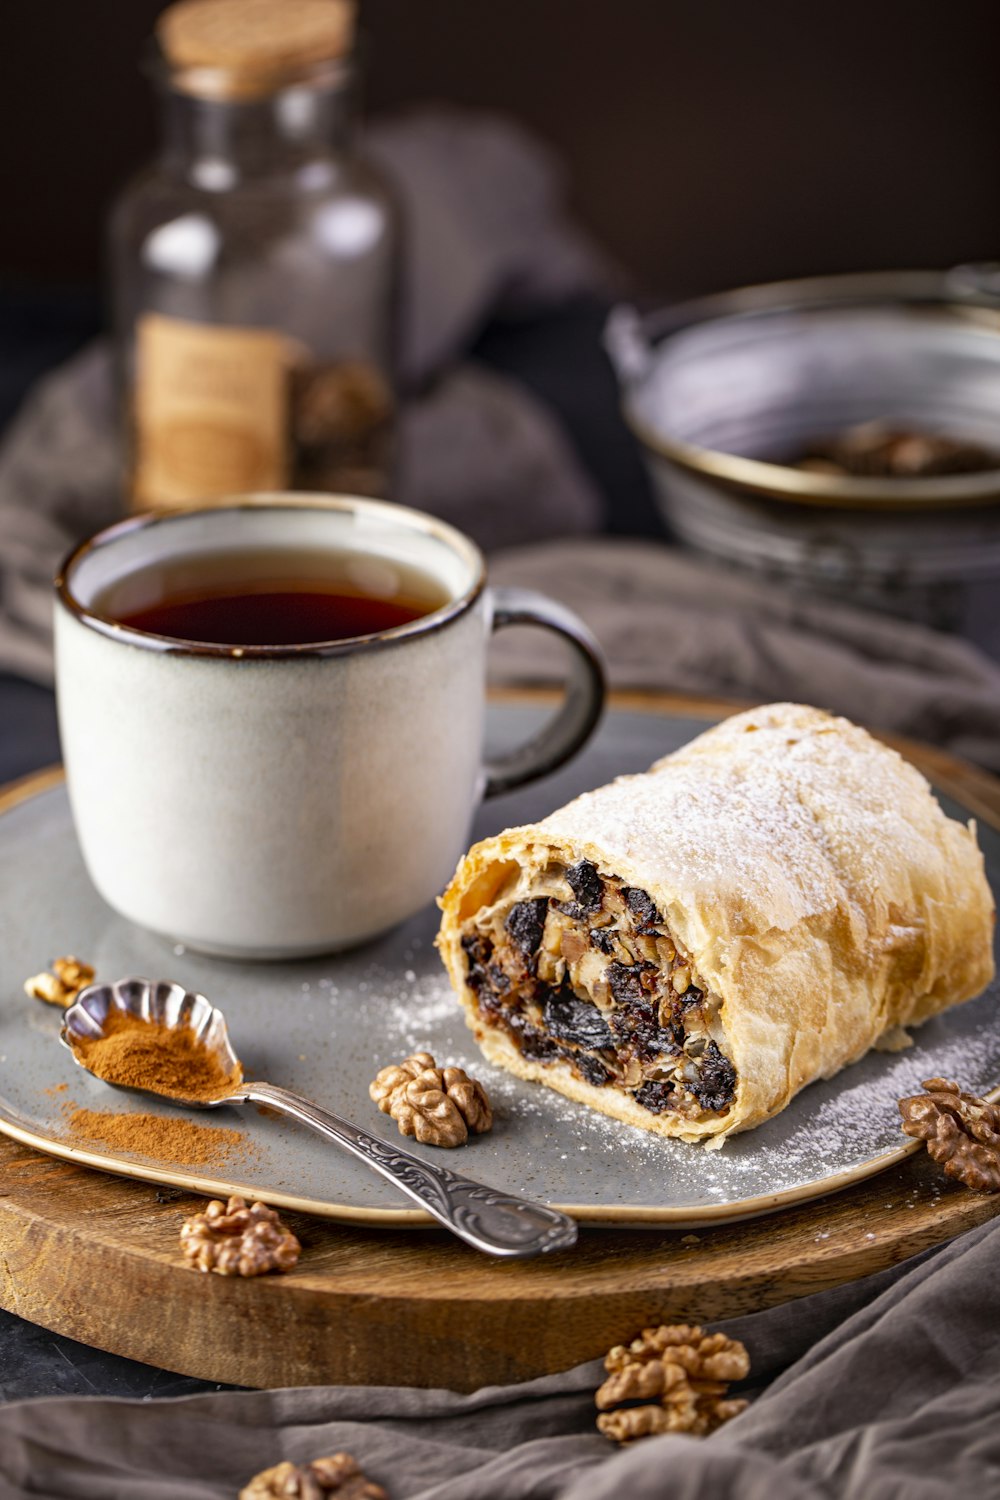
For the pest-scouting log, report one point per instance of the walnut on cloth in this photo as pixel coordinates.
(962, 1132)
(671, 1379)
(237, 1239)
(61, 983)
(336, 1475)
(440, 1106)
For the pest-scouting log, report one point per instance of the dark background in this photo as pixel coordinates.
(708, 142)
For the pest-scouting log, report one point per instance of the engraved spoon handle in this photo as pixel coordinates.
(494, 1222)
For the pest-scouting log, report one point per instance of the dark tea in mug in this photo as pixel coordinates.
(258, 793)
(271, 598)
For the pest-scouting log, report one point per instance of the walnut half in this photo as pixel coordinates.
(671, 1379)
(336, 1475)
(62, 983)
(237, 1239)
(439, 1106)
(962, 1132)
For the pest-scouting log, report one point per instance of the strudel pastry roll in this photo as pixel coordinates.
(687, 948)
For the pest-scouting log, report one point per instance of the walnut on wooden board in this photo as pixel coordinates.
(61, 983)
(238, 1239)
(962, 1132)
(439, 1106)
(674, 1378)
(337, 1474)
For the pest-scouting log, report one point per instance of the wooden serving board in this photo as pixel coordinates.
(97, 1258)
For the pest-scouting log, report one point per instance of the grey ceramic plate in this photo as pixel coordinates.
(325, 1026)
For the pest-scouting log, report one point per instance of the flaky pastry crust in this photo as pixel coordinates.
(803, 869)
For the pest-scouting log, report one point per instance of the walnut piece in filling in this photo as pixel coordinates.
(580, 969)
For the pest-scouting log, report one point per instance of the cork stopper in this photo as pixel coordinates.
(243, 49)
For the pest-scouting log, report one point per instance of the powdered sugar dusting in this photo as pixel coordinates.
(426, 1009)
(773, 816)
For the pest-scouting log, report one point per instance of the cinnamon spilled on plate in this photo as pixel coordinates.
(137, 1053)
(175, 1141)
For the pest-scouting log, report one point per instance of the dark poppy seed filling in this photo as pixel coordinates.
(588, 975)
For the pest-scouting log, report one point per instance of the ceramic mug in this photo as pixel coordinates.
(276, 802)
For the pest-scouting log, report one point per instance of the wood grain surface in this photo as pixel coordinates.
(97, 1257)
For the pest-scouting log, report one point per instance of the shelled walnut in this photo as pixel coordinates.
(962, 1132)
(237, 1239)
(439, 1106)
(336, 1475)
(61, 983)
(341, 418)
(671, 1379)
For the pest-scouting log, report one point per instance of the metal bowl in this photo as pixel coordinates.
(726, 392)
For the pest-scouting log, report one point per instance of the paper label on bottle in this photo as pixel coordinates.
(210, 412)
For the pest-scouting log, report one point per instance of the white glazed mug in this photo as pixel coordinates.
(275, 802)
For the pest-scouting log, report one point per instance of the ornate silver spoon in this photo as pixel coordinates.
(495, 1222)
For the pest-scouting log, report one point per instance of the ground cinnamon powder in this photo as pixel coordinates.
(164, 1139)
(142, 1054)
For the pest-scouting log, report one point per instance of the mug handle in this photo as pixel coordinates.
(576, 720)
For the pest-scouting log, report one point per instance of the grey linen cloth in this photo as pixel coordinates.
(487, 238)
(887, 1389)
(668, 620)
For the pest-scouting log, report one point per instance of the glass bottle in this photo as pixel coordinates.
(254, 271)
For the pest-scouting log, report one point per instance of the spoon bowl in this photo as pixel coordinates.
(495, 1222)
(162, 1003)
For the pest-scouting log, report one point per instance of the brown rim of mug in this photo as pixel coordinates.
(417, 520)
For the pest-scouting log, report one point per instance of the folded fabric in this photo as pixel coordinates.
(668, 620)
(884, 1388)
(487, 234)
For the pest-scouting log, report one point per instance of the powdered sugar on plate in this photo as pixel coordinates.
(847, 1125)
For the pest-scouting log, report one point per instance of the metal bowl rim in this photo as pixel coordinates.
(925, 290)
